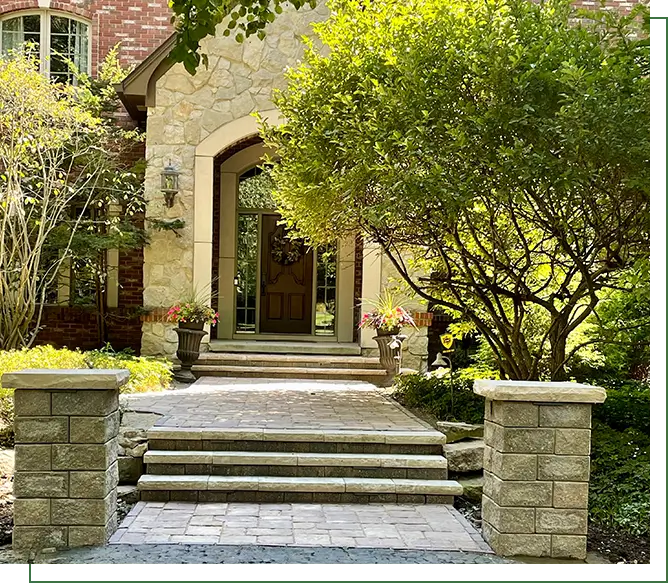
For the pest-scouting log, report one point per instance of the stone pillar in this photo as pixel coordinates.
(66, 472)
(536, 467)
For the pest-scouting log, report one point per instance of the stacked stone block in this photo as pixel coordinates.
(66, 469)
(536, 467)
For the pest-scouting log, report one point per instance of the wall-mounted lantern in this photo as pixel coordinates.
(169, 183)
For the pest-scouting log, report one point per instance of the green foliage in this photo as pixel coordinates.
(108, 221)
(620, 479)
(174, 225)
(255, 192)
(620, 476)
(500, 147)
(627, 405)
(432, 393)
(194, 20)
(146, 374)
(618, 333)
(66, 197)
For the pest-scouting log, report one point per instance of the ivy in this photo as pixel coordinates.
(173, 225)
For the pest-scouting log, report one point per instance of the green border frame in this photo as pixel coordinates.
(659, 50)
(452, 573)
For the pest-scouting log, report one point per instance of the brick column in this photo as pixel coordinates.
(66, 473)
(536, 466)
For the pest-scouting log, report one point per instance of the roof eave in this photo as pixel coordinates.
(137, 90)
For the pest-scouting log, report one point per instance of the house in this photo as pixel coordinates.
(232, 244)
(229, 243)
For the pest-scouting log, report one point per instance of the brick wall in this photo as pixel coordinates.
(139, 26)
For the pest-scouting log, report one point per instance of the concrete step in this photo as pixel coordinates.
(291, 464)
(203, 488)
(284, 372)
(427, 442)
(289, 360)
(285, 347)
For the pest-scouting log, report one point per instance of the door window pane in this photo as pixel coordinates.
(325, 303)
(246, 280)
(255, 187)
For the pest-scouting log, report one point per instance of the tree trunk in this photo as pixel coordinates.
(557, 350)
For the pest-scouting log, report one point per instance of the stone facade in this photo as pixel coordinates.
(66, 469)
(239, 80)
(536, 467)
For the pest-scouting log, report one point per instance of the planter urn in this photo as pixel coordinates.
(190, 338)
(389, 344)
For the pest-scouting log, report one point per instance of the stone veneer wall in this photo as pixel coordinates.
(536, 467)
(239, 80)
(66, 470)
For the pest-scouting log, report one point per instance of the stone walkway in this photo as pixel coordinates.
(229, 554)
(395, 526)
(277, 404)
(308, 405)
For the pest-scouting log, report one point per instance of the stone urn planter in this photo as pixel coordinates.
(389, 344)
(190, 338)
(191, 315)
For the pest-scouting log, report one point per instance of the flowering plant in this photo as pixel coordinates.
(386, 316)
(192, 312)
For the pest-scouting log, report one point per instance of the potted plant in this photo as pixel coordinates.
(388, 318)
(191, 315)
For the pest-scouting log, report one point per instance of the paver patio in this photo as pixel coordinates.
(395, 526)
(278, 404)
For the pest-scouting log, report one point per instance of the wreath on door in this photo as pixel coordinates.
(286, 251)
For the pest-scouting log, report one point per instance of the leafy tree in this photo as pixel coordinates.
(113, 217)
(59, 160)
(194, 20)
(499, 146)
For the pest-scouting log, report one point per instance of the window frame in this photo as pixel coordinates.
(45, 15)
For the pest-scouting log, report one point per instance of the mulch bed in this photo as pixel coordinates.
(6, 522)
(618, 547)
(612, 545)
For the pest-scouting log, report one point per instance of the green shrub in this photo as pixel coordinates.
(432, 392)
(619, 487)
(626, 406)
(146, 374)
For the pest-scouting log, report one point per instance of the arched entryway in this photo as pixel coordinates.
(264, 286)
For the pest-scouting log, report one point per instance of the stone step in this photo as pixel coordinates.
(208, 488)
(293, 372)
(243, 463)
(285, 347)
(289, 360)
(459, 431)
(464, 456)
(296, 440)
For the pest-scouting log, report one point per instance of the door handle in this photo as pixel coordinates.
(263, 285)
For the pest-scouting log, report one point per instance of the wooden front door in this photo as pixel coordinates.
(286, 285)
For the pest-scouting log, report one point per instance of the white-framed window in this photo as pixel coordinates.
(59, 37)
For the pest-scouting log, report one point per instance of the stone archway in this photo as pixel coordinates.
(216, 142)
(221, 253)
